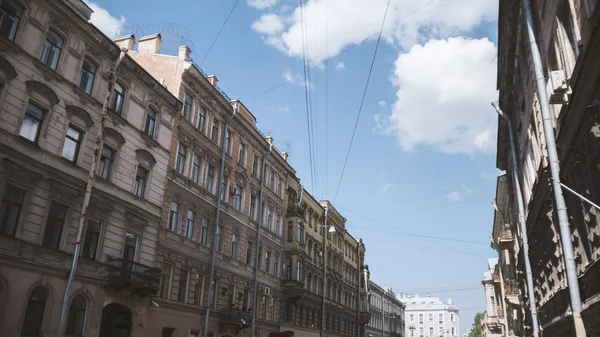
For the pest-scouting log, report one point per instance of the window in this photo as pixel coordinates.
(441, 318)
(255, 166)
(219, 231)
(222, 189)
(32, 122)
(181, 159)
(174, 216)
(237, 198)
(421, 318)
(421, 331)
(141, 177)
(71, 145)
(269, 219)
(76, 317)
(267, 261)
(10, 209)
(276, 266)
(441, 331)
(210, 175)
(187, 107)
(431, 317)
(34, 314)
(299, 271)
(10, 15)
(290, 232)
(430, 331)
(249, 253)
(196, 169)
(51, 51)
(167, 332)
(215, 131)
(183, 282)
(234, 246)
(253, 207)
(87, 75)
(117, 99)
(278, 225)
(198, 292)
(227, 142)
(165, 279)
(272, 181)
(242, 155)
(54, 225)
(130, 246)
(92, 236)
(279, 186)
(411, 318)
(150, 125)
(204, 232)
(189, 229)
(452, 317)
(300, 233)
(107, 157)
(201, 118)
(453, 331)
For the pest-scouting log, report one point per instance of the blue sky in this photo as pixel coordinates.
(423, 159)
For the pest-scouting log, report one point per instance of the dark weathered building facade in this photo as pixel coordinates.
(569, 42)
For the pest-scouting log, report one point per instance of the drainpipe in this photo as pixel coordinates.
(561, 207)
(214, 246)
(258, 228)
(323, 287)
(88, 190)
(522, 222)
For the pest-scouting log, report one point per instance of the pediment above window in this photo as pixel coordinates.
(40, 90)
(7, 72)
(113, 138)
(145, 158)
(79, 116)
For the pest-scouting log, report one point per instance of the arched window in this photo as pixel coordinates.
(51, 51)
(150, 124)
(76, 317)
(117, 99)
(34, 314)
(87, 75)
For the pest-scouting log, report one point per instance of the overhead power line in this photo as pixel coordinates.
(219, 33)
(362, 101)
(293, 79)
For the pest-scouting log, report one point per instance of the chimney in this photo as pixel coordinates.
(212, 79)
(150, 44)
(125, 42)
(284, 155)
(269, 140)
(184, 53)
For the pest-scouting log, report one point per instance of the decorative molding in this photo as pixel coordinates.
(60, 23)
(115, 136)
(79, 113)
(7, 45)
(145, 156)
(43, 90)
(7, 69)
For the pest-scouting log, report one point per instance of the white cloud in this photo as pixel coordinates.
(387, 187)
(268, 24)
(108, 24)
(444, 91)
(296, 79)
(340, 66)
(261, 4)
(408, 22)
(382, 104)
(454, 196)
(466, 189)
(284, 109)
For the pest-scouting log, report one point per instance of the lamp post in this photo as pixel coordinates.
(412, 330)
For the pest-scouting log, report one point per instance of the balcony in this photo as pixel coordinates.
(232, 321)
(364, 318)
(505, 239)
(292, 288)
(132, 277)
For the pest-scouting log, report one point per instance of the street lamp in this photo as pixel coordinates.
(412, 330)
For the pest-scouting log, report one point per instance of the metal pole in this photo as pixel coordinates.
(323, 288)
(258, 228)
(522, 221)
(579, 195)
(214, 245)
(561, 207)
(88, 189)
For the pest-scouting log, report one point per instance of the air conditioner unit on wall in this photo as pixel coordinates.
(558, 89)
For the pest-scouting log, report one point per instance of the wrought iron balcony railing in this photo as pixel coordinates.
(132, 276)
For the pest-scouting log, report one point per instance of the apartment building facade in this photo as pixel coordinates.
(387, 313)
(569, 44)
(493, 321)
(311, 297)
(205, 125)
(55, 69)
(430, 316)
